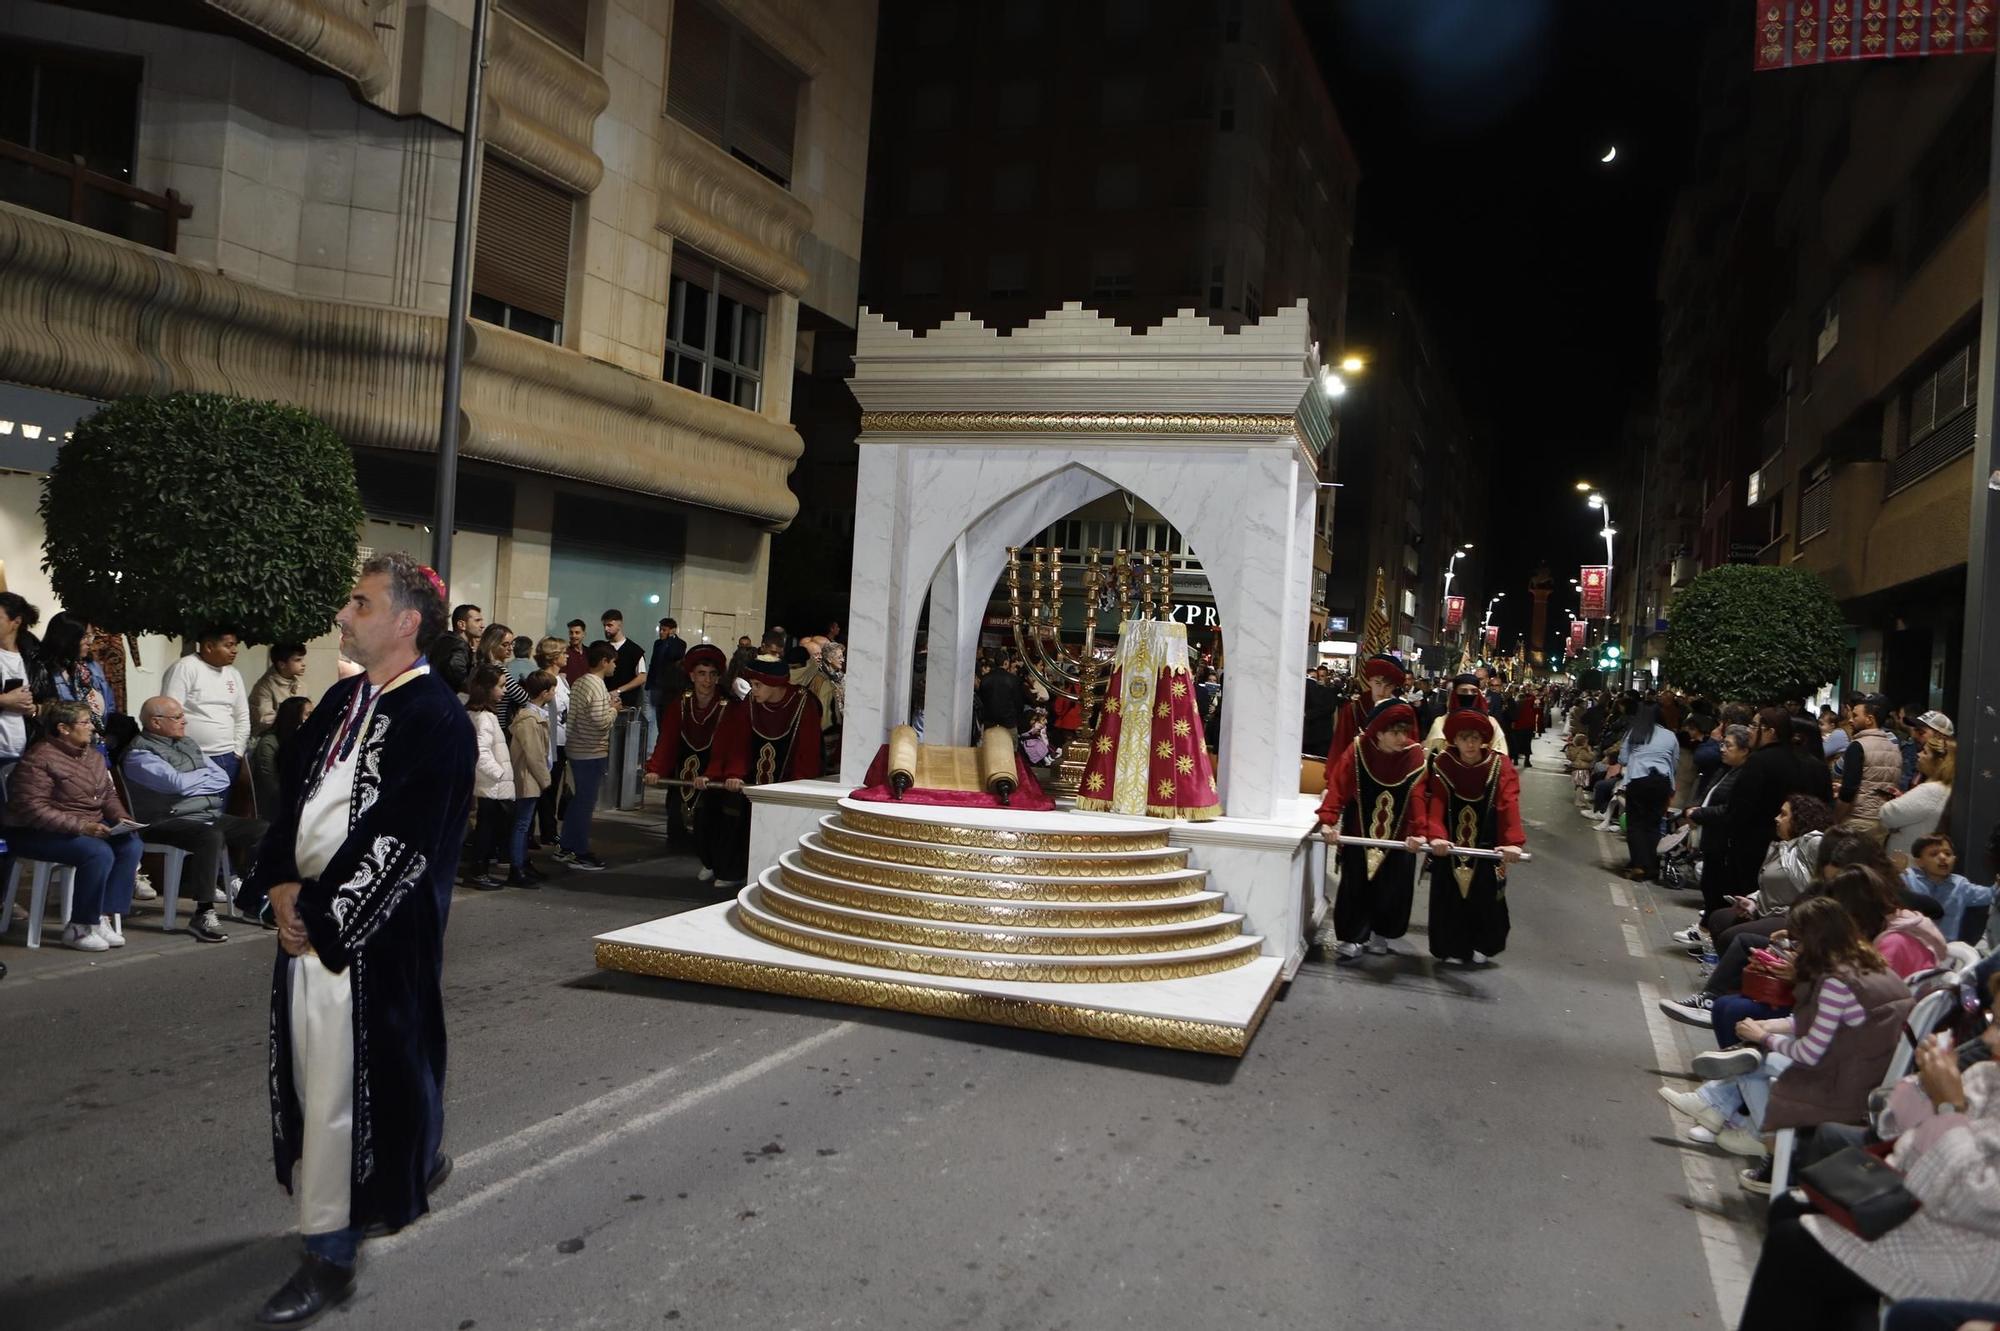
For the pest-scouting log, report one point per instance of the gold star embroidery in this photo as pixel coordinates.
(1164, 748)
(1166, 790)
(1096, 781)
(1184, 764)
(1180, 689)
(1104, 743)
(1181, 730)
(1161, 711)
(1112, 706)
(1211, 784)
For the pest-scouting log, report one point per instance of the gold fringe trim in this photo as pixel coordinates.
(973, 967)
(878, 930)
(1184, 813)
(931, 856)
(995, 838)
(876, 874)
(900, 902)
(1201, 1037)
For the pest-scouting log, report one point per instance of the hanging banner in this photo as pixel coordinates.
(1454, 613)
(1796, 33)
(1492, 636)
(1578, 631)
(1596, 597)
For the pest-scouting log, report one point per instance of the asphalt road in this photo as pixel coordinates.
(1404, 1146)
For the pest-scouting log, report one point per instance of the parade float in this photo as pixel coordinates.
(1158, 901)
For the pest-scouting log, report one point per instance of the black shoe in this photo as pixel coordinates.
(487, 882)
(440, 1171)
(532, 874)
(203, 929)
(316, 1286)
(519, 879)
(588, 863)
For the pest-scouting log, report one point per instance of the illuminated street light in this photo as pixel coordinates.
(1352, 364)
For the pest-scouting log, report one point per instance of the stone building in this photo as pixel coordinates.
(258, 197)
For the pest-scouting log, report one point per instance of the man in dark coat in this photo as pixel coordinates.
(357, 869)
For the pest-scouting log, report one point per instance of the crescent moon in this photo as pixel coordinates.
(1610, 154)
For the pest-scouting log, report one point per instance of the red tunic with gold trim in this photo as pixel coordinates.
(1374, 794)
(687, 735)
(760, 743)
(1348, 723)
(1469, 804)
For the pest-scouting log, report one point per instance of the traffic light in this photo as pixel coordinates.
(1611, 650)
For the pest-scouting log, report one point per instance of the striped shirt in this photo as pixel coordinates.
(1838, 1007)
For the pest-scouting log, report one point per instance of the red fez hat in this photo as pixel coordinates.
(1390, 715)
(768, 670)
(1384, 666)
(1467, 721)
(704, 654)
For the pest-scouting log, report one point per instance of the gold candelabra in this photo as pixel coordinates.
(1071, 670)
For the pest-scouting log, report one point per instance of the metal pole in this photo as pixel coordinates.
(1976, 794)
(461, 278)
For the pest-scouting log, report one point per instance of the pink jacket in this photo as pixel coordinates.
(1910, 942)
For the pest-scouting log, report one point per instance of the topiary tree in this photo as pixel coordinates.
(167, 514)
(1755, 633)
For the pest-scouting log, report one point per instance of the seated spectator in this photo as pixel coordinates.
(1922, 810)
(285, 678)
(1790, 868)
(179, 792)
(1813, 1272)
(61, 807)
(1933, 872)
(1851, 1008)
(269, 751)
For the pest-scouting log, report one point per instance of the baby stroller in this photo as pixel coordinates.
(1680, 869)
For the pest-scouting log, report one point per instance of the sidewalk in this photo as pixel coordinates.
(632, 842)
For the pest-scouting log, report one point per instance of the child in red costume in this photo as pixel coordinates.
(1471, 797)
(1372, 791)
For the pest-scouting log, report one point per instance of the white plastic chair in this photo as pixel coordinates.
(42, 872)
(173, 862)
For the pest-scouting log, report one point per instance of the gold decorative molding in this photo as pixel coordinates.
(998, 838)
(88, 314)
(1074, 422)
(339, 34)
(979, 943)
(856, 884)
(1093, 869)
(726, 210)
(540, 105)
(1202, 1037)
(889, 956)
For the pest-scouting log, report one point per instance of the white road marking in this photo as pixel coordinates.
(1633, 943)
(681, 1103)
(1621, 895)
(1706, 1178)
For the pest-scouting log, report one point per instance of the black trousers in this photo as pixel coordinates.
(723, 833)
(545, 807)
(1645, 805)
(1800, 1284)
(206, 842)
(496, 822)
(1380, 905)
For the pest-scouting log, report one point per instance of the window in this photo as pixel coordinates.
(1111, 274)
(726, 87)
(1019, 104)
(1014, 188)
(1829, 329)
(929, 189)
(715, 332)
(1215, 283)
(70, 104)
(933, 107)
(1253, 302)
(520, 254)
(1232, 20)
(1939, 418)
(923, 277)
(561, 21)
(1122, 100)
(1118, 185)
(1409, 603)
(1007, 275)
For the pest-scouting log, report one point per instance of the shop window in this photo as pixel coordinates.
(520, 256)
(1117, 185)
(1014, 188)
(715, 332)
(1111, 275)
(723, 84)
(1018, 105)
(1007, 275)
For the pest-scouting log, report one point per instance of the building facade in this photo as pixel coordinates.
(258, 197)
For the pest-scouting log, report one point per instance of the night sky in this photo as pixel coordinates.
(1479, 125)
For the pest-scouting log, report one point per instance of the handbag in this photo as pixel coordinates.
(1859, 1192)
(1764, 983)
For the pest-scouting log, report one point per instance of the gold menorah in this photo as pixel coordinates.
(1069, 670)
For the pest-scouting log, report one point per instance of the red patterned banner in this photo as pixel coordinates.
(1454, 613)
(1579, 631)
(1596, 597)
(1492, 637)
(1792, 33)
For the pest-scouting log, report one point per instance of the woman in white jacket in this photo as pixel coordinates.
(1907, 817)
(492, 775)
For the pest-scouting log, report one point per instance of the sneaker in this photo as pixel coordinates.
(1481, 959)
(143, 891)
(519, 879)
(1346, 951)
(1378, 947)
(84, 938)
(704, 874)
(588, 862)
(731, 884)
(1691, 936)
(1696, 1108)
(1701, 1135)
(532, 873)
(203, 928)
(1694, 1009)
(1757, 1180)
(563, 856)
(1717, 1064)
(109, 933)
(1742, 1141)
(489, 882)
(213, 897)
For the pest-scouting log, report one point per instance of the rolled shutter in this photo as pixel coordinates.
(764, 117)
(698, 69)
(521, 257)
(561, 21)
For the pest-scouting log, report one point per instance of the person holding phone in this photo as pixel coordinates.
(62, 807)
(17, 702)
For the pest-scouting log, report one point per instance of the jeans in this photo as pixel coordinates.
(106, 867)
(517, 844)
(589, 775)
(1749, 1093)
(228, 762)
(1732, 1008)
(336, 1245)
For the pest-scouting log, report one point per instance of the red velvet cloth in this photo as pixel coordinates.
(1028, 795)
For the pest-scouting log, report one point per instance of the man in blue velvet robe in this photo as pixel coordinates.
(357, 868)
